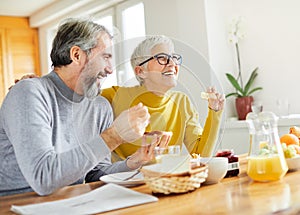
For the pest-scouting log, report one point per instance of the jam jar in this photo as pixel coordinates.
(233, 162)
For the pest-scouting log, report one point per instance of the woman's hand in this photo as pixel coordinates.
(164, 137)
(144, 154)
(30, 75)
(215, 100)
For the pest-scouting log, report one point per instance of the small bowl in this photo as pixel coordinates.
(293, 163)
(217, 169)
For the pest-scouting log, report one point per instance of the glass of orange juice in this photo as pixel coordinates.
(266, 160)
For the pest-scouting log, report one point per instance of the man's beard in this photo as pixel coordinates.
(90, 88)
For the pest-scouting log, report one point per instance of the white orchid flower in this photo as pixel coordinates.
(236, 31)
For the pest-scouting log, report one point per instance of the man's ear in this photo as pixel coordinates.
(76, 54)
(139, 71)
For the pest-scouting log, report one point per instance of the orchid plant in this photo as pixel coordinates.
(236, 33)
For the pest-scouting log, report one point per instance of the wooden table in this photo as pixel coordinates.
(236, 195)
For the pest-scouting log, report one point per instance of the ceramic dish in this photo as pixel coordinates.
(293, 163)
(119, 178)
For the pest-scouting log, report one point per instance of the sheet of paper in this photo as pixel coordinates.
(106, 198)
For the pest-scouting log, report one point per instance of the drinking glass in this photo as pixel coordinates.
(171, 150)
(174, 150)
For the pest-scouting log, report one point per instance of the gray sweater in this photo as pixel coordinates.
(49, 137)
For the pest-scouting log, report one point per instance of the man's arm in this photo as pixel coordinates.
(106, 167)
(29, 127)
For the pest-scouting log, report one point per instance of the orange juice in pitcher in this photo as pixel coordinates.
(266, 160)
(269, 168)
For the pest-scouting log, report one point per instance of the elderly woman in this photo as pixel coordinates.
(156, 67)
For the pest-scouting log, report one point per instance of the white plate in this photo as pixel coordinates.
(118, 178)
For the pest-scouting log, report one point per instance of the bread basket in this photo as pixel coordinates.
(168, 183)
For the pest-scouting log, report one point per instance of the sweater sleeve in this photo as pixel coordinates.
(105, 167)
(197, 139)
(28, 125)
(206, 142)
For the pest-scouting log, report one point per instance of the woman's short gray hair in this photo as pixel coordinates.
(143, 51)
(83, 33)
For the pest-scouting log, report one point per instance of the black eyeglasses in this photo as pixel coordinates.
(164, 59)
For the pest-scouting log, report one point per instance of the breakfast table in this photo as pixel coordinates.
(234, 195)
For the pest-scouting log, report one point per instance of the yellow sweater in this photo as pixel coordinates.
(171, 112)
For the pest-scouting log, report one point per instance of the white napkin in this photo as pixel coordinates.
(106, 198)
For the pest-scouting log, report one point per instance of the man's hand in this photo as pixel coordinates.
(129, 126)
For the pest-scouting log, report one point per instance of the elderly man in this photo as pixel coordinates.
(55, 129)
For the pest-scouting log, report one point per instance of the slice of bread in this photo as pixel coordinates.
(170, 165)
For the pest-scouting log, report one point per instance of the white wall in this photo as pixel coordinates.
(183, 20)
(271, 43)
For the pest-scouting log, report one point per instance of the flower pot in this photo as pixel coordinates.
(243, 106)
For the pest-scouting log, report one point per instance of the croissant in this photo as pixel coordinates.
(295, 130)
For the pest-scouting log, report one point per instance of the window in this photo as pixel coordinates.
(129, 20)
(133, 21)
(107, 21)
(133, 29)
(126, 21)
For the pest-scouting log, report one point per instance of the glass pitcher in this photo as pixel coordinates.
(266, 161)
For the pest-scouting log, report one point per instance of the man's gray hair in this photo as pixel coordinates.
(143, 51)
(83, 33)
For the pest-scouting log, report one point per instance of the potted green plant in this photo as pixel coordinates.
(243, 93)
(240, 90)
